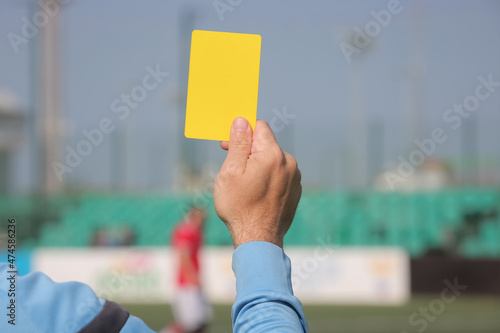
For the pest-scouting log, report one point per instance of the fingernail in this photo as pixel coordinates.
(240, 124)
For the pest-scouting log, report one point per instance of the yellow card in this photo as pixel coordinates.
(223, 83)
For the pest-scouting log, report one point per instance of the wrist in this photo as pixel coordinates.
(242, 239)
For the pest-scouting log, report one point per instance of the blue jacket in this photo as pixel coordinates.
(264, 300)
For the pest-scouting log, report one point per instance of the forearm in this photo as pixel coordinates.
(45, 306)
(264, 299)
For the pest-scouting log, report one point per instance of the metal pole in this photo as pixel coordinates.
(417, 73)
(188, 168)
(50, 104)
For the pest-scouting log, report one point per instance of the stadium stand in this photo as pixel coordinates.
(455, 222)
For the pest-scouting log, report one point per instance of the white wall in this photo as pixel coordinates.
(319, 275)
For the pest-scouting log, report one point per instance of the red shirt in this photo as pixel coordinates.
(188, 237)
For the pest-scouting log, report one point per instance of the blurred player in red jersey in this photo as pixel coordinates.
(190, 307)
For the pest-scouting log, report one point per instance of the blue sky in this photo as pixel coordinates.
(106, 46)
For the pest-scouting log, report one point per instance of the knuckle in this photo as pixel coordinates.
(229, 169)
(240, 138)
(279, 157)
(275, 157)
(239, 141)
(291, 162)
(299, 193)
(277, 152)
(298, 175)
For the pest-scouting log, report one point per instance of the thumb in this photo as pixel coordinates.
(240, 143)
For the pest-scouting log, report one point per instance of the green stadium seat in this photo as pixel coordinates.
(415, 221)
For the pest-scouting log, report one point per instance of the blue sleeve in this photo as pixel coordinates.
(41, 305)
(264, 295)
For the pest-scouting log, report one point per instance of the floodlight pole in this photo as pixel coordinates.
(417, 73)
(50, 104)
(188, 169)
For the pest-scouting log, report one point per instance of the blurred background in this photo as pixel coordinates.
(391, 108)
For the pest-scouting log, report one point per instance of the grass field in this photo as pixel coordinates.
(464, 315)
